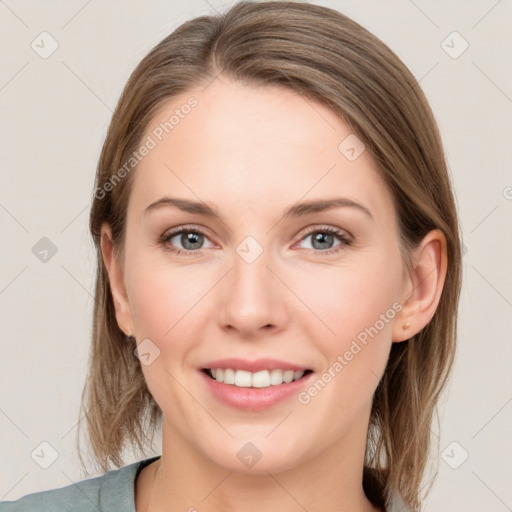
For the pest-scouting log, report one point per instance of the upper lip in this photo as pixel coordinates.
(255, 365)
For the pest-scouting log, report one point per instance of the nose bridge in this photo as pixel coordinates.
(252, 296)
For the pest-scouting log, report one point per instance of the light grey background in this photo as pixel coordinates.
(54, 116)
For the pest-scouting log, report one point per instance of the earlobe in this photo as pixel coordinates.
(116, 281)
(423, 286)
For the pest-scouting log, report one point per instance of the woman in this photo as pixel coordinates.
(279, 269)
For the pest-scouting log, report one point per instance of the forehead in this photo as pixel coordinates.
(246, 147)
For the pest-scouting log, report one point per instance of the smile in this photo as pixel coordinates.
(259, 379)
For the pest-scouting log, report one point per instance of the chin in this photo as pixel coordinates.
(257, 457)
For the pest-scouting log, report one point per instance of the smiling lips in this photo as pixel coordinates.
(261, 379)
(254, 385)
(260, 373)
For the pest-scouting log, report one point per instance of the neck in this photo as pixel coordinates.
(183, 479)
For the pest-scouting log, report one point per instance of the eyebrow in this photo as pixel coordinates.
(296, 210)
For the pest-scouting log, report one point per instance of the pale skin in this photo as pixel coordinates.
(251, 152)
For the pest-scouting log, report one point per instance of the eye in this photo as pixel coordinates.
(324, 237)
(191, 240)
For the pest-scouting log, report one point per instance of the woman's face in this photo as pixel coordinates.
(256, 283)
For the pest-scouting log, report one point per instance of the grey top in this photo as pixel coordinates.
(114, 491)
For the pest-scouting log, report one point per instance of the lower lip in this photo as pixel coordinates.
(254, 399)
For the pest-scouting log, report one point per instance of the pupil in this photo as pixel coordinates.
(321, 238)
(190, 238)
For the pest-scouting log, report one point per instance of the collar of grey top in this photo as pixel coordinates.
(115, 490)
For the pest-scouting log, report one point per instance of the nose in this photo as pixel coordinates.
(252, 301)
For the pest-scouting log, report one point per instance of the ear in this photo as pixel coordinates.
(422, 286)
(116, 280)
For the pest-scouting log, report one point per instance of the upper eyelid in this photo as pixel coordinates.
(187, 228)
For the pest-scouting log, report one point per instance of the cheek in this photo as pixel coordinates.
(155, 304)
(357, 307)
(161, 295)
(346, 299)
(162, 299)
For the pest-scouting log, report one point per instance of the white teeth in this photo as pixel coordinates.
(276, 377)
(229, 376)
(242, 379)
(261, 379)
(288, 375)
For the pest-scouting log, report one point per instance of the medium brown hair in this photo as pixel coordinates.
(325, 56)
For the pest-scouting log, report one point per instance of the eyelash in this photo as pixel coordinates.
(345, 241)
